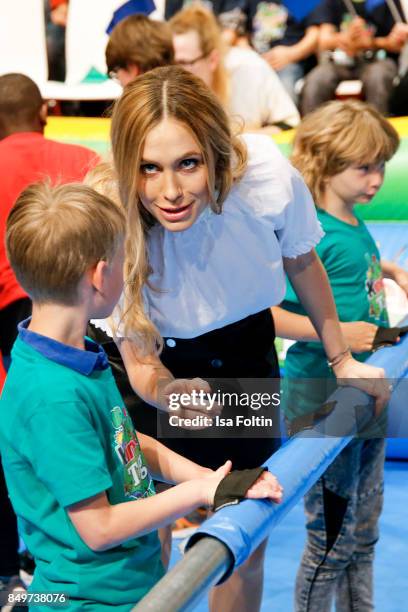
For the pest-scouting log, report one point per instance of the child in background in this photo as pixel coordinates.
(341, 150)
(78, 475)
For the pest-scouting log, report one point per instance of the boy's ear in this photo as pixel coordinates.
(133, 69)
(98, 274)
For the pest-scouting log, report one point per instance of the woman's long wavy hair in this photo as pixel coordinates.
(165, 93)
(337, 135)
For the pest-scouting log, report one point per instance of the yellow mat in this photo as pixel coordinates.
(90, 129)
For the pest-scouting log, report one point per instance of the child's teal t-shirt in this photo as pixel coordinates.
(352, 262)
(65, 436)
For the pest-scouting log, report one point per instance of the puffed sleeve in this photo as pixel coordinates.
(297, 227)
(276, 194)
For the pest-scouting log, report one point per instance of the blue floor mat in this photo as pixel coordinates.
(392, 241)
(391, 576)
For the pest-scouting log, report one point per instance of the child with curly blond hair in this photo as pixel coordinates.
(341, 150)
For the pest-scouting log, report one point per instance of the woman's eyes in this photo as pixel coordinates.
(189, 163)
(148, 168)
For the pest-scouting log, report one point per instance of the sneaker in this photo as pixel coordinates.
(12, 586)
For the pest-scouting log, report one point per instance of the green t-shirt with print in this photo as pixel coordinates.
(352, 262)
(65, 437)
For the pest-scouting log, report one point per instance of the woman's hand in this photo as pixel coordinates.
(359, 335)
(365, 377)
(189, 398)
(155, 384)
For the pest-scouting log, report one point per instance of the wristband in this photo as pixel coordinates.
(387, 336)
(232, 489)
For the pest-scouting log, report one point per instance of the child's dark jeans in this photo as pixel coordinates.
(342, 511)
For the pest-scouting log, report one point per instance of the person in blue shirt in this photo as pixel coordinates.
(79, 477)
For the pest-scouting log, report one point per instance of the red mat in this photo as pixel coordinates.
(2, 375)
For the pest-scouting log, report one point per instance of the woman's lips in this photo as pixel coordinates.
(176, 214)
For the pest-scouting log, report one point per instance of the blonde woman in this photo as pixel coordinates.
(214, 220)
(244, 83)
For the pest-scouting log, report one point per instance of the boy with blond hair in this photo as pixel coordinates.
(341, 150)
(78, 475)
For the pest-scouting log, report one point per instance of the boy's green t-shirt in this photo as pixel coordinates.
(65, 437)
(352, 262)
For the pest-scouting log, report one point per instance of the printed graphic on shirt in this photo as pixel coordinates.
(375, 290)
(137, 480)
(269, 25)
(235, 19)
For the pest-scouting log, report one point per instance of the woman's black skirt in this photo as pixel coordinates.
(240, 363)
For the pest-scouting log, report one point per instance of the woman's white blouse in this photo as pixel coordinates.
(229, 266)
